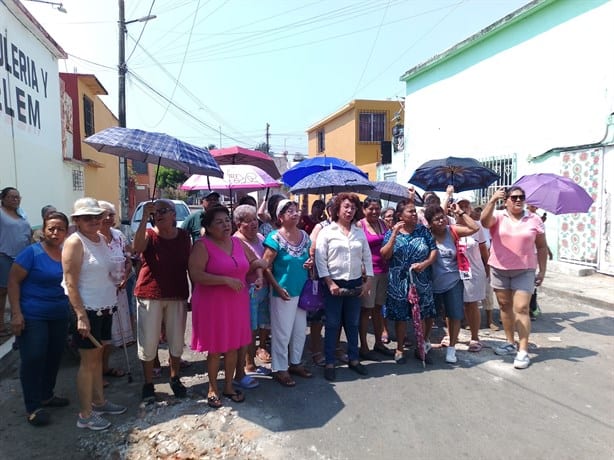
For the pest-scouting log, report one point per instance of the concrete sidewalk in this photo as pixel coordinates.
(565, 280)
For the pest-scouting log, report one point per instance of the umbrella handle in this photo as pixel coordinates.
(411, 277)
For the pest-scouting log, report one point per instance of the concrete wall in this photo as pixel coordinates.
(30, 128)
(546, 80)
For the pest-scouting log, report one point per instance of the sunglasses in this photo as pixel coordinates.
(90, 218)
(162, 211)
(517, 197)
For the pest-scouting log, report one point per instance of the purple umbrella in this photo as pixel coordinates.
(414, 300)
(554, 193)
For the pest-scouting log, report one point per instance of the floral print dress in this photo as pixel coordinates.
(409, 249)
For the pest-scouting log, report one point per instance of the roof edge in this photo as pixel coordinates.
(21, 12)
(506, 21)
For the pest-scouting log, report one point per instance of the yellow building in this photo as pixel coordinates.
(90, 115)
(359, 132)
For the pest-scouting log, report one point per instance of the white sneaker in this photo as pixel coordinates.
(451, 355)
(522, 360)
(506, 349)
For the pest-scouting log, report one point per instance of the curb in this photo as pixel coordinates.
(590, 301)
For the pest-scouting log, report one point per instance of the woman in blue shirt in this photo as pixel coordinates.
(287, 254)
(39, 317)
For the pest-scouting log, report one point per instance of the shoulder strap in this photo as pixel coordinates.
(454, 234)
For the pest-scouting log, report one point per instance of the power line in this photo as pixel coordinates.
(142, 30)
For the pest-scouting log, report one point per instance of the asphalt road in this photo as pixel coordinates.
(561, 407)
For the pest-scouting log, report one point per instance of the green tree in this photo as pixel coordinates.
(264, 148)
(169, 178)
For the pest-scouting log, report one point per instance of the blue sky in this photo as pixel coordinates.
(235, 65)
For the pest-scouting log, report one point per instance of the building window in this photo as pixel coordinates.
(390, 176)
(77, 180)
(139, 167)
(372, 127)
(506, 168)
(88, 116)
(321, 146)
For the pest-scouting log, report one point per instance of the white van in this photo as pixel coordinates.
(181, 209)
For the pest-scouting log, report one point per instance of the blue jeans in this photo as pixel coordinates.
(341, 311)
(41, 344)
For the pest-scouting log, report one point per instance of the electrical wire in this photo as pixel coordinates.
(364, 69)
(185, 53)
(142, 30)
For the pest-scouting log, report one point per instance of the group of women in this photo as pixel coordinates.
(246, 286)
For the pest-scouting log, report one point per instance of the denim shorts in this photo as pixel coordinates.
(5, 267)
(452, 301)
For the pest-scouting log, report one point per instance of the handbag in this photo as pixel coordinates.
(312, 295)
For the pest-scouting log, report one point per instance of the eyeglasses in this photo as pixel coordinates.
(162, 211)
(517, 197)
(90, 218)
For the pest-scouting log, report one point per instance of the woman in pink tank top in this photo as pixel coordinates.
(375, 229)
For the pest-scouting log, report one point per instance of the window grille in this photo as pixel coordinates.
(77, 180)
(88, 116)
(506, 168)
(321, 145)
(372, 127)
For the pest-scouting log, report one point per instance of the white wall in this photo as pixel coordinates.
(30, 140)
(556, 89)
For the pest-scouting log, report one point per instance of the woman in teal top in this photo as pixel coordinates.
(287, 254)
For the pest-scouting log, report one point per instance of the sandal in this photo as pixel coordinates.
(259, 370)
(246, 382)
(284, 379)
(263, 355)
(214, 402)
(237, 396)
(445, 342)
(113, 372)
(399, 358)
(299, 370)
(318, 359)
(475, 346)
(40, 417)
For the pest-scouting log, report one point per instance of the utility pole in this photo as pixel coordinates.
(124, 178)
(268, 135)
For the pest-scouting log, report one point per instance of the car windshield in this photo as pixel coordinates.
(182, 212)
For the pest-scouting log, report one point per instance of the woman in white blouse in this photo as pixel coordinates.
(342, 251)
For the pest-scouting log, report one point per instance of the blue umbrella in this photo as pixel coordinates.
(332, 181)
(463, 173)
(157, 148)
(317, 164)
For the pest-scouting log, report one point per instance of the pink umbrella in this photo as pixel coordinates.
(414, 300)
(241, 156)
(236, 177)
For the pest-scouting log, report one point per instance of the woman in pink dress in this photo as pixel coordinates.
(218, 267)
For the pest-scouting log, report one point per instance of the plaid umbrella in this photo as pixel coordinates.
(414, 300)
(463, 173)
(157, 148)
(332, 181)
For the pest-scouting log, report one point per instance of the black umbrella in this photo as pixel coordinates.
(463, 173)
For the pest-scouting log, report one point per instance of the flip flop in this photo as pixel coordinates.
(214, 402)
(260, 370)
(237, 396)
(113, 372)
(246, 382)
(475, 346)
